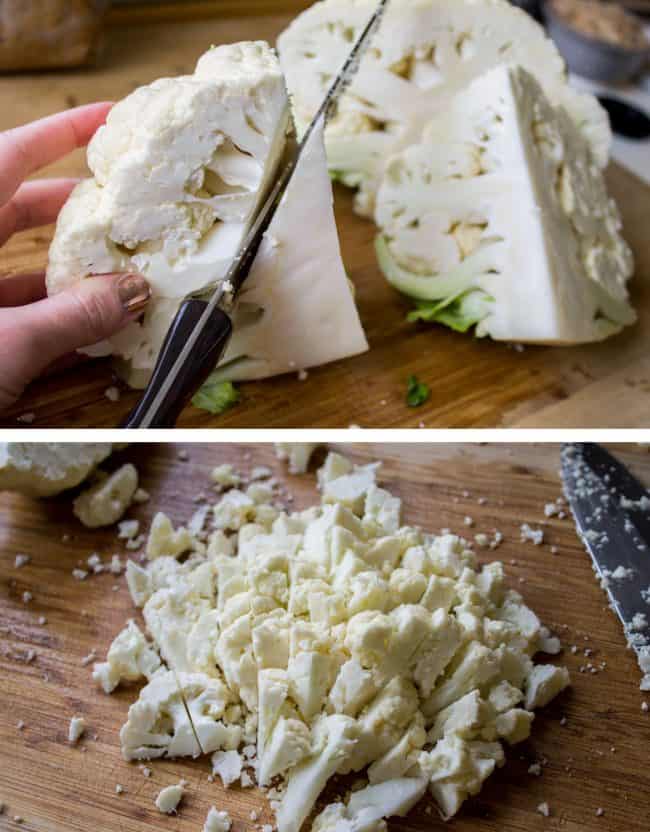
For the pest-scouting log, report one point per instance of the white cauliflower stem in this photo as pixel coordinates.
(177, 172)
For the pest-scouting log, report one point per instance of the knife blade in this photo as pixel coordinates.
(199, 335)
(611, 509)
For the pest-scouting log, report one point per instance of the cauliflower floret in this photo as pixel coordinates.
(105, 502)
(334, 738)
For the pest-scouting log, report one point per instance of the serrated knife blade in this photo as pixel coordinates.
(611, 509)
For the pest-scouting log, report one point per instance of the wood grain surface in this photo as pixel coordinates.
(597, 759)
(473, 383)
(155, 12)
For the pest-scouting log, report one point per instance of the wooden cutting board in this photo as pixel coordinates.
(473, 383)
(599, 758)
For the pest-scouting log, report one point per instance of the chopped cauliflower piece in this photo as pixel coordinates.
(76, 729)
(168, 798)
(164, 540)
(130, 658)
(159, 723)
(296, 454)
(543, 683)
(105, 502)
(334, 739)
(225, 476)
(228, 765)
(217, 821)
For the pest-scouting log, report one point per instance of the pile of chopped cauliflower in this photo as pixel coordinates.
(293, 647)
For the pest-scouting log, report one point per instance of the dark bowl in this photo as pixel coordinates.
(530, 6)
(593, 58)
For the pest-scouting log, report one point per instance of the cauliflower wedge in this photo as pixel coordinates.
(178, 170)
(500, 219)
(424, 53)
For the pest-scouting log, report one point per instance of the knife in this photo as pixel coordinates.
(612, 514)
(201, 330)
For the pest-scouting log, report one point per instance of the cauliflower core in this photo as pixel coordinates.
(178, 170)
(424, 53)
(499, 217)
(329, 641)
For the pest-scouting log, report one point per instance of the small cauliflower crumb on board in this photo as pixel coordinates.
(90, 622)
(168, 798)
(76, 729)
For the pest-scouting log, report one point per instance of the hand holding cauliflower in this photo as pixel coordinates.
(34, 331)
(178, 170)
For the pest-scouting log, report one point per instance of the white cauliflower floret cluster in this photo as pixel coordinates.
(332, 640)
(178, 170)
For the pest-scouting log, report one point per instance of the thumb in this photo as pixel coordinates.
(88, 312)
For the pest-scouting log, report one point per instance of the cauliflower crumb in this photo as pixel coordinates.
(168, 798)
(535, 536)
(112, 394)
(76, 729)
(217, 821)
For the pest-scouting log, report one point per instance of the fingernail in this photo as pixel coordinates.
(134, 292)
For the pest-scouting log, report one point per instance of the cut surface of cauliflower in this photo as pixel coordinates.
(178, 170)
(500, 210)
(43, 469)
(424, 53)
(332, 640)
(105, 502)
(178, 715)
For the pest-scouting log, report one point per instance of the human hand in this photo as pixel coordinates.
(35, 330)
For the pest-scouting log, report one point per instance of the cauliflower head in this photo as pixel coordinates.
(424, 53)
(178, 170)
(502, 209)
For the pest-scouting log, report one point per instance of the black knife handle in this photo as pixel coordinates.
(206, 354)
